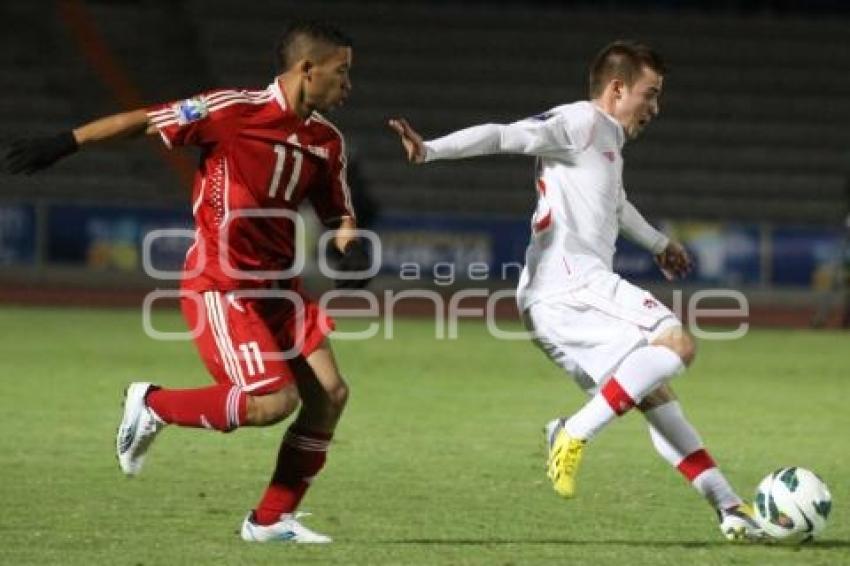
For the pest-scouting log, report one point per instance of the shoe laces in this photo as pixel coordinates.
(573, 449)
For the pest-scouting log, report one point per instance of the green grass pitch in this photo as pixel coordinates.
(439, 459)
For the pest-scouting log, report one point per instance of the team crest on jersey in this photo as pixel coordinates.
(610, 155)
(191, 110)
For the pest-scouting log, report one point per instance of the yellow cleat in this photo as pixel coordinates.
(564, 458)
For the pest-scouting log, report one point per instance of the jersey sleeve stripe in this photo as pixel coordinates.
(343, 181)
(165, 139)
(229, 95)
(159, 122)
(212, 97)
(217, 97)
(220, 99)
(165, 122)
(235, 99)
(161, 113)
(343, 175)
(159, 118)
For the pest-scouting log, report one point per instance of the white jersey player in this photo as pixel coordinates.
(619, 342)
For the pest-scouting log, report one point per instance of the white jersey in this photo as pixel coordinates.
(582, 204)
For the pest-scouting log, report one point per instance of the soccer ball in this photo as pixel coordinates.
(792, 505)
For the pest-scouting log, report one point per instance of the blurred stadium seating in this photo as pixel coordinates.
(754, 117)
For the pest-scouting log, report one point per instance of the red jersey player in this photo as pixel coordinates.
(263, 152)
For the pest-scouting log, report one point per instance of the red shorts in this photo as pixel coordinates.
(249, 337)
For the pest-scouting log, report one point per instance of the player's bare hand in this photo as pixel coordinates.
(674, 261)
(410, 139)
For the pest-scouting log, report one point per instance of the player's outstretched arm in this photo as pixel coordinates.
(29, 155)
(410, 139)
(125, 125)
(539, 136)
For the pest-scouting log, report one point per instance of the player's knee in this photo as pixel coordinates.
(264, 410)
(685, 346)
(662, 395)
(329, 406)
(681, 342)
(338, 397)
(688, 349)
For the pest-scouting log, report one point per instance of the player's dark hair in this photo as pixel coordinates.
(289, 48)
(623, 60)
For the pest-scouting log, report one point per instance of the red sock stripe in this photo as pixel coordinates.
(302, 455)
(696, 463)
(306, 443)
(617, 398)
(301, 431)
(236, 407)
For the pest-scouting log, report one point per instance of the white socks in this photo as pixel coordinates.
(672, 435)
(678, 442)
(640, 372)
(646, 368)
(590, 419)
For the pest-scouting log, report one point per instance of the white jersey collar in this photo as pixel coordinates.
(621, 135)
(280, 97)
(274, 88)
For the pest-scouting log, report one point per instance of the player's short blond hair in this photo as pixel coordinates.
(623, 60)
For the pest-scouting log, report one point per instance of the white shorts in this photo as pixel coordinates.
(588, 331)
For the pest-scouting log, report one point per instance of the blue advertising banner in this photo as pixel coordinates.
(723, 254)
(466, 247)
(429, 241)
(111, 237)
(17, 234)
(635, 263)
(805, 256)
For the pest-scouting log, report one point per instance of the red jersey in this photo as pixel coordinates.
(259, 161)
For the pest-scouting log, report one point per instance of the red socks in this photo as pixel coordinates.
(302, 454)
(219, 407)
(223, 407)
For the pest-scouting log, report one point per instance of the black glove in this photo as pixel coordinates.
(28, 155)
(354, 258)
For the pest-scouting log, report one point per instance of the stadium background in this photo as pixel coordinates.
(747, 165)
(437, 460)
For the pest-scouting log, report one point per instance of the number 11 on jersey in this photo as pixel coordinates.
(297, 157)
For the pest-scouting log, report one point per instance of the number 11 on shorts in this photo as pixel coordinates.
(251, 353)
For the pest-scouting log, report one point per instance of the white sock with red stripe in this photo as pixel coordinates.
(678, 442)
(639, 373)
